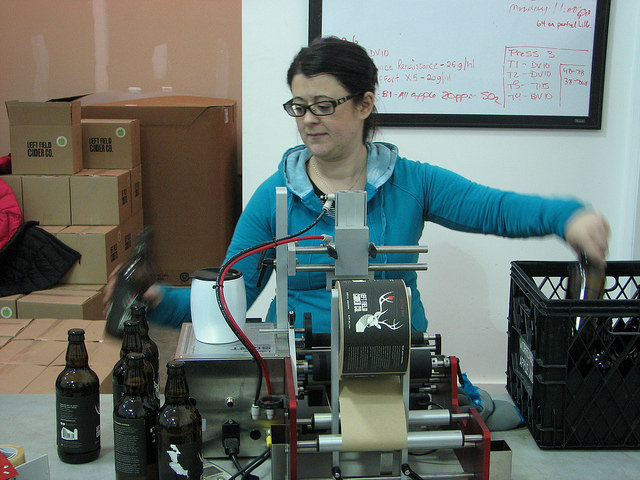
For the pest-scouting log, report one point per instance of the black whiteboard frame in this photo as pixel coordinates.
(593, 121)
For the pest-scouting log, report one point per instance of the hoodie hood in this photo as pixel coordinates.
(381, 160)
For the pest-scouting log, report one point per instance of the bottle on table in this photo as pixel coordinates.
(133, 279)
(77, 405)
(149, 347)
(132, 343)
(136, 456)
(179, 430)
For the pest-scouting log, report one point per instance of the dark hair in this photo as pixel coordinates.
(346, 61)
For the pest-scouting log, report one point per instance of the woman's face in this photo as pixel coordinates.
(330, 137)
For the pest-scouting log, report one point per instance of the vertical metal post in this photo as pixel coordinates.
(282, 279)
(335, 374)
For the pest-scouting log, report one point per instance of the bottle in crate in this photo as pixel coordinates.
(135, 450)
(179, 430)
(589, 349)
(77, 405)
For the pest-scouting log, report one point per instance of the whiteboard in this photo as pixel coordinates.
(527, 63)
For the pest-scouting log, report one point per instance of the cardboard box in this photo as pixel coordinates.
(130, 230)
(31, 352)
(102, 355)
(101, 249)
(136, 189)
(46, 137)
(10, 327)
(65, 287)
(14, 378)
(100, 197)
(47, 199)
(8, 307)
(45, 382)
(53, 229)
(57, 329)
(15, 184)
(80, 305)
(190, 189)
(110, 143)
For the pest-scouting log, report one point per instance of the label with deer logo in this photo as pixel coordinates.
(375, 326)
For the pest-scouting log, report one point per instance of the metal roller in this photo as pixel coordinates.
(416, 440)
(322, 421)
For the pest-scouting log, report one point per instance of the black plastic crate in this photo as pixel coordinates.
(576, 387)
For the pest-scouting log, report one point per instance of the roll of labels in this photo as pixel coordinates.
(375, 334)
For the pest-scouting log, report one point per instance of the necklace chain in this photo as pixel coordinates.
(322, 178)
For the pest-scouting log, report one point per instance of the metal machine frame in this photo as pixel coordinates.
(305, 436)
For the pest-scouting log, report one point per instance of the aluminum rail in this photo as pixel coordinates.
(322, 421)
(379, 249)
(415, 440)
(374, 267)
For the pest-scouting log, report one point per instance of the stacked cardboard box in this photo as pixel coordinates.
(81, 180)
(32, 353)
(190, 175)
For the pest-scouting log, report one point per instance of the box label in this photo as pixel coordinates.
(100, 144)
(39, 149)
(526, 360)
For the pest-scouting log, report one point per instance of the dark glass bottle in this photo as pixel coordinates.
(132, 343)
(77, 405)
(135, 450)
(179, 430)
(589, 349)
(149, 347)
(133, 279)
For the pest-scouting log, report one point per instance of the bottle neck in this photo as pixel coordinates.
(131, 342)
(144, 325)
(134, 381)
(77, 355)
(177, 391)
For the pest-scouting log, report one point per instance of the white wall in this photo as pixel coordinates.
(466, 289)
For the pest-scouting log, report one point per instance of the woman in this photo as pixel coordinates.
(333, 85)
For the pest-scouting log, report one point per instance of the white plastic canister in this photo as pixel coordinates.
(209, 326)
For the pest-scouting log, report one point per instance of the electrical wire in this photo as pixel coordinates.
(259, 460)
(226, 313)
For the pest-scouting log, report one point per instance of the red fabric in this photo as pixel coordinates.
(5, 164)
(10, 214)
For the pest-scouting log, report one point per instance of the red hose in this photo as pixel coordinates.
(238, 331)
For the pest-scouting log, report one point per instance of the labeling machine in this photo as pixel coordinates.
(299, 420)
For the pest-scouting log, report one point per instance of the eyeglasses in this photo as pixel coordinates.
(319, 109)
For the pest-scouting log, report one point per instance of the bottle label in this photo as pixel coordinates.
(130, 446)
(179, 461)
(78, 422)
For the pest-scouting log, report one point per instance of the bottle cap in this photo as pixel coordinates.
(131, 325)
(175, 365)
(138, 309)
(135, 357)
(76, 333)
(134, 90)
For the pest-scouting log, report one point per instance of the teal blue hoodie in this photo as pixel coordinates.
(401, 196)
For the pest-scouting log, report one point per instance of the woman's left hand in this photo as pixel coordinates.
(587, 232)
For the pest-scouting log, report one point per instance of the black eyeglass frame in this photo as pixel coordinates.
(310, 107)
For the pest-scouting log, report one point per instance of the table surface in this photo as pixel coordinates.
(29, 421)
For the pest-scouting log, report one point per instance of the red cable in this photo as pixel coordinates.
(235, 326)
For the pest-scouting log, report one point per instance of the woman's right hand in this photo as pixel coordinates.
(152, 297)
